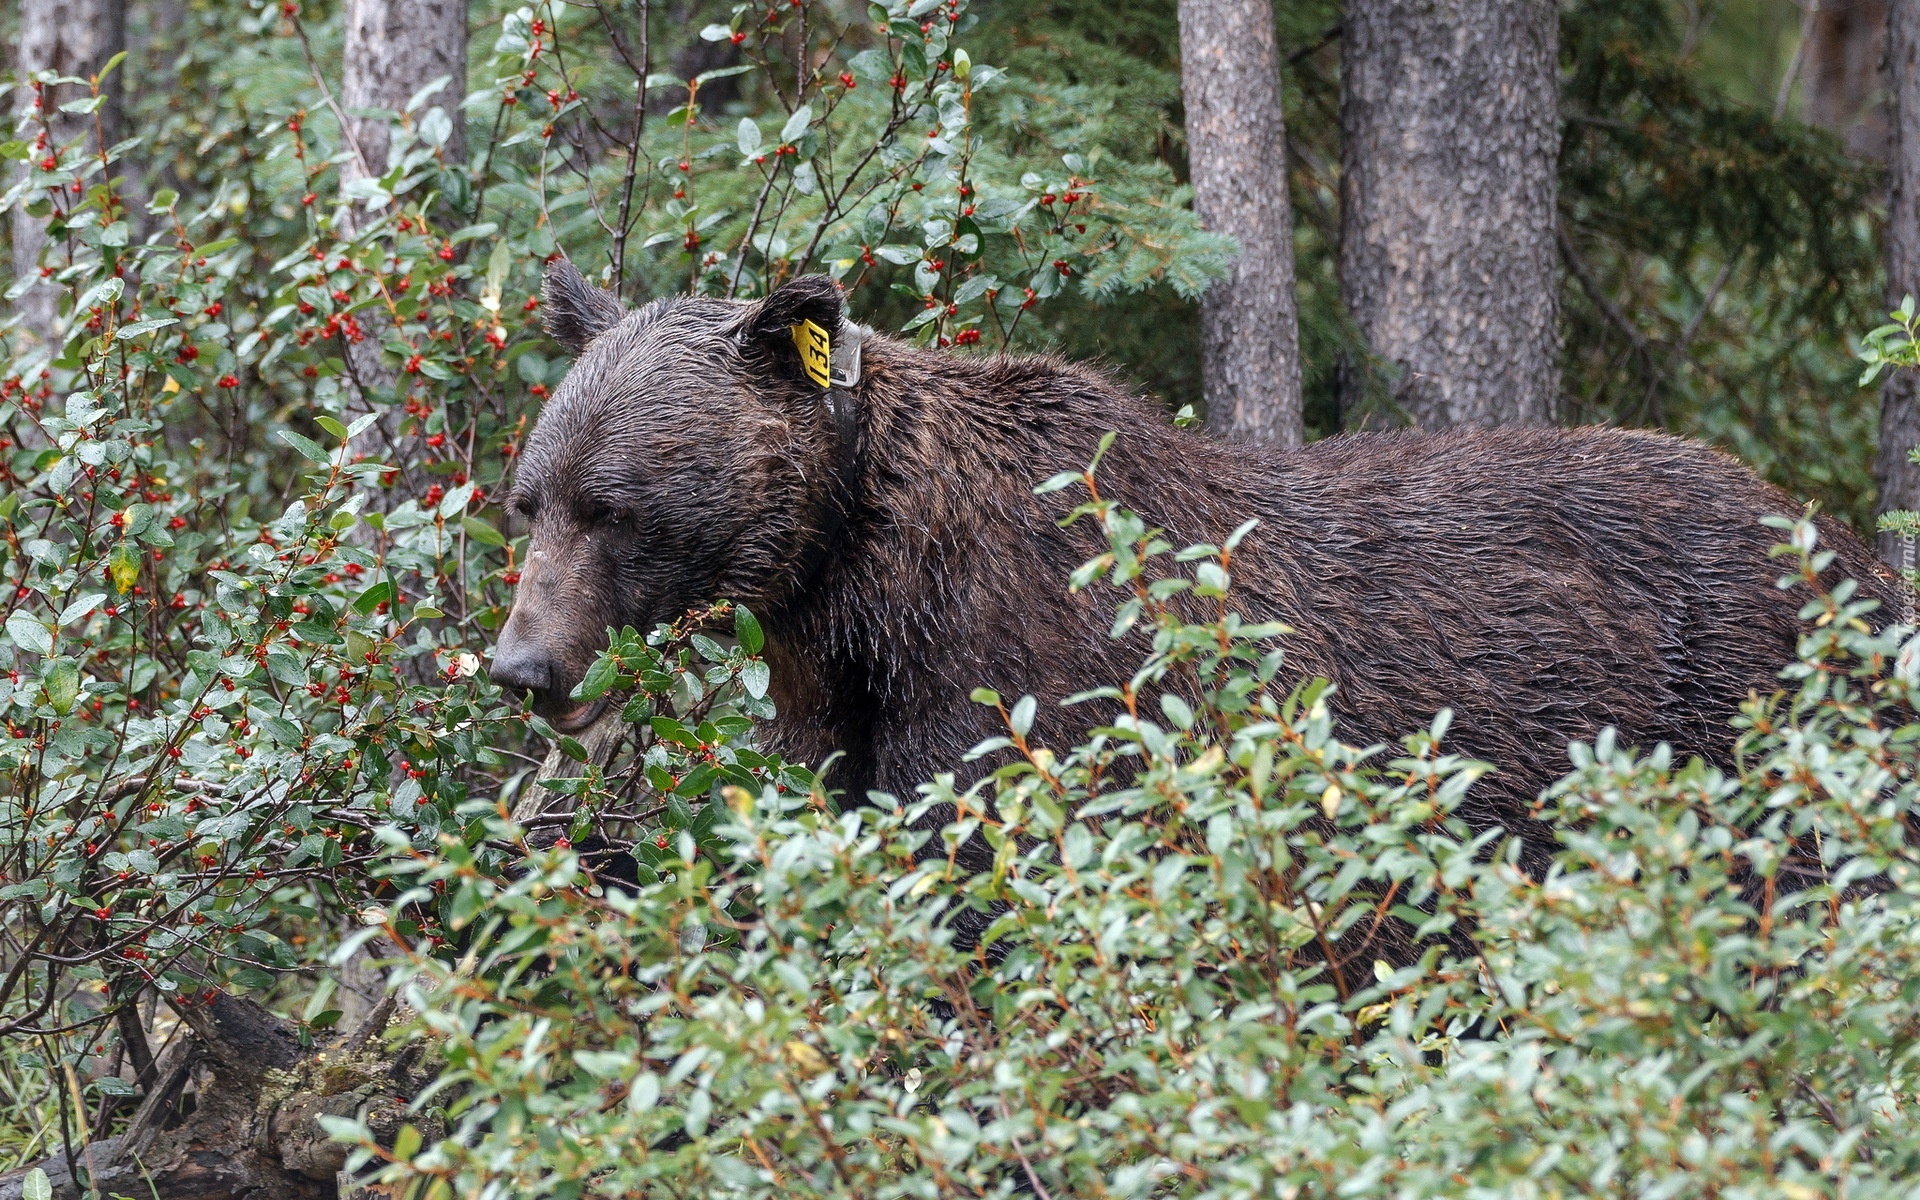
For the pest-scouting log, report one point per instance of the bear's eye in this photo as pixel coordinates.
(523, 506)
(602, 514)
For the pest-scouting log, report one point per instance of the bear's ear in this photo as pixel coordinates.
(574, 311)
(774, 331)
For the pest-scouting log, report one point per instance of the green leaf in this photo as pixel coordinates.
(80, 607)
(104, 292)
(480, 531)
(600, 678)
(136, 328)
(746, 627)
(306, 446)
(61, 678)
(669, 730)
(36, 1186)
(406, 1143)
(373, 597)
(797, 123)
(606, 1064)
(755, 677)
(282, 731)
(706, 77)
(29, 633)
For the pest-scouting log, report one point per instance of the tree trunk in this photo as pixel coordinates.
(1898, 478)
(69, 37)
(393, 49)
(1237, 148)
(1450, 121)
(1840, 77)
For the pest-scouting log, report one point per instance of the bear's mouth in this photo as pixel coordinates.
(577, 717)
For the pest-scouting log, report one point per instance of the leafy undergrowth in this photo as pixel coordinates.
(1225, 954)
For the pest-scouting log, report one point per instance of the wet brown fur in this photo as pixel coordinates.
(1542, 583)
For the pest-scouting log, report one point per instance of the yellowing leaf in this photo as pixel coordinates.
(497, 264)
(123, 565)
(805, 1057)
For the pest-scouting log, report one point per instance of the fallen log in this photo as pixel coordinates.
(233, 1112)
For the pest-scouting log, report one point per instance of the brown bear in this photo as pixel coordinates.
(1543, 583)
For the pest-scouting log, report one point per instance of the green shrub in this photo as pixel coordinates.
(250, 550)
(1229, 955)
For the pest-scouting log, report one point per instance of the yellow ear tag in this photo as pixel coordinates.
(816, 352)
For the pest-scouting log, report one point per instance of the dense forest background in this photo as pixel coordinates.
(1721, 185)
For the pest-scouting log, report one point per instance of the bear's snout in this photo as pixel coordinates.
(521, 665)
(524, 664)
(544, 647)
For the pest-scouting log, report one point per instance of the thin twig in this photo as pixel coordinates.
(326, 94)
(1033, 1177)
(624, 224)
(1809, 10)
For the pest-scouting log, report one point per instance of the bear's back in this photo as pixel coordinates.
(1541, 583)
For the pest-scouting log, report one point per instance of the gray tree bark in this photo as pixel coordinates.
(1449, 114)
(1840, 76)
(1237, 149)
(69, 37)
(1898, 478)
(393, 49)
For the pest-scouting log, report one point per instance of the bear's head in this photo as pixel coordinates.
(688, 456)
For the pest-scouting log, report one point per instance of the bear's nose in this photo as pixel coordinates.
(516, 664)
